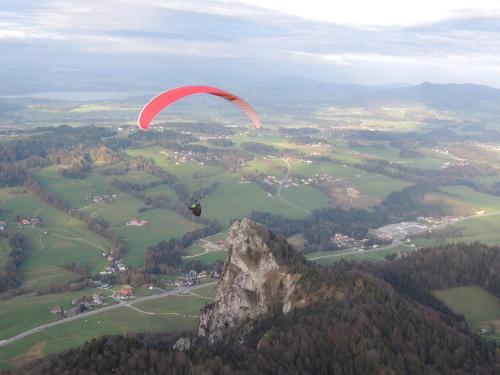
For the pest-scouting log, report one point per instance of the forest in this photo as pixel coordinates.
(374, 322)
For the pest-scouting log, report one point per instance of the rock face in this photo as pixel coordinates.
(252, 284)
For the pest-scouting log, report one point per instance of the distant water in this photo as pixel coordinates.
(79, 95)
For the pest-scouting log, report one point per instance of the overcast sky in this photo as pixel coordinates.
(357, 41)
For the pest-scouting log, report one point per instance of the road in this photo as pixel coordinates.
(395, 243)
(278, 193)
(398, 241)
(177, 291)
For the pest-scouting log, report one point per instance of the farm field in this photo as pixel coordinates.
(168, 314)
(208, 258)
(197, 248)
(189, 173)
(335, 170)
(234, 201)
(329, 258)
(480, 308)
(25, 312)
(4, 250)
(481, 228)
(306, 197)
(163, 225)
(76, 193)
(480, 201)
(378, 186)
(66, 240)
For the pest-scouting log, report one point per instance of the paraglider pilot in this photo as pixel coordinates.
(195, 208)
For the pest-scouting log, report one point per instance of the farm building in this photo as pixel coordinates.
(125, 292)
(56, 310)
(135, 222)
(3, 225)
(401, 230)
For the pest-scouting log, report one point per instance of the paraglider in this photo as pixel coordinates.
(195, 208)
(165, 99)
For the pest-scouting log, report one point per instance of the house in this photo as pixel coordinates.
(125, 292)
(56, 310)
(135, 222)
(24, 222)
(35, 221)
(2, 225)
(203, 275)
(97, 298)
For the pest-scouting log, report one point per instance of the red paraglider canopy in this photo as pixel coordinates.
(163, 100)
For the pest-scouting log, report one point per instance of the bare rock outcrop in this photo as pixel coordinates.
(254, 282)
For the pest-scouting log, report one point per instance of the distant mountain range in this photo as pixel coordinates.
(292, 91)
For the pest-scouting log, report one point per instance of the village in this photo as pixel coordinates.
(297, 181)
(115, 265)
(181, 157)
(104, 198)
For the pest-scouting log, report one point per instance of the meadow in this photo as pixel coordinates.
(62, 239)
(77, 193)
(481, 201)
(480, 308)
(4, 250)
(22, 313)
(166, 314)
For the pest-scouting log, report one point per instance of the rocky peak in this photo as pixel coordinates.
(255, 281)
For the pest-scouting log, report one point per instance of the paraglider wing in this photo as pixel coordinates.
(163, 100)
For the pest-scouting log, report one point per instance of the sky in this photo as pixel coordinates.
(137, 43)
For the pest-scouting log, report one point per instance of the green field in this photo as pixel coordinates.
(22, 313)
(197, 247)
(480, 308)
(335, 170)
(4, 250)
(480, 201)
(232, 200)
(209, 258)
(173, 313)
(194, 176)
(329, 258)
(481, 228)
(377, 185)
(269, 166)
(67, 240)
(306, 197)
(77, 193)
(163, 225)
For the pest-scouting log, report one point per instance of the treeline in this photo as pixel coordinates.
(52, 139)
(76, 162)
(166, 256)
(319, 227)
(9, 275)
(357, 324)
(11, 175)
(96, 225)
(447, 266)
(167, 138)
(260, 148)
(221, 142)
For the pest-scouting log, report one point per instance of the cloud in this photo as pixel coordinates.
(458, 39)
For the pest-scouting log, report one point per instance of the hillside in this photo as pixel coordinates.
(292, 91)
(343, 320)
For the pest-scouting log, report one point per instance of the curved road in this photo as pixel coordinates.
(278, 193)
(181, 290)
